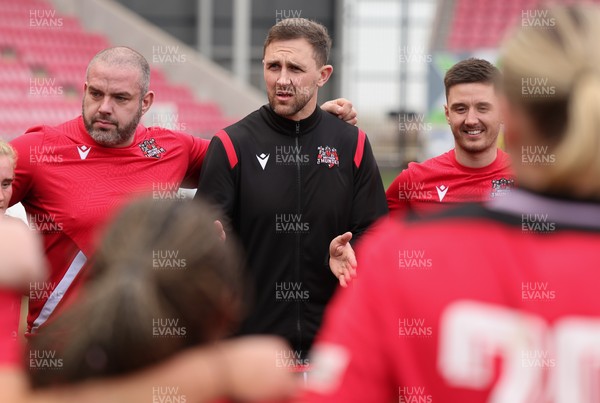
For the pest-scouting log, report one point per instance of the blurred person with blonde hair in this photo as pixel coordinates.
(8, 160)
(494, 302)
(15, 235)
(21, 261)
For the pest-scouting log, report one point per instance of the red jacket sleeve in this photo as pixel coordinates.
(368, 202)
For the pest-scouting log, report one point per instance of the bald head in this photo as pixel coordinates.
(123, 57)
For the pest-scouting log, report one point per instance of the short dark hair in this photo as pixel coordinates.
(472, 70)
(295, 28)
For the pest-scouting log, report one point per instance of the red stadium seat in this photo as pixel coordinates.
(477, 24)
(43, 58)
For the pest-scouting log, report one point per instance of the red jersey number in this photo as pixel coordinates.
(539, 363)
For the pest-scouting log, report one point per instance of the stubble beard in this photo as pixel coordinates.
(299, 102)
(113, 137)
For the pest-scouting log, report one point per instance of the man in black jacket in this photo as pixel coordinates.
(290, 179)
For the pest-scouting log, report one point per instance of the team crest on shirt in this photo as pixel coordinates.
(151, 149)
(501, 187)
(327, 155)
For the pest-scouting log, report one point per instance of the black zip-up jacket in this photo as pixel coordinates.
(288, 188)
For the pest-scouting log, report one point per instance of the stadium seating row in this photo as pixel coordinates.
(43, 57)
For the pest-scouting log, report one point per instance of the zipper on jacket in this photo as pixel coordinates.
(298, 237)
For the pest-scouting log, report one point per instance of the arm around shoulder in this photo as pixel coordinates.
(217, 182)
(241, 369)
(198, 148)
(343, 109)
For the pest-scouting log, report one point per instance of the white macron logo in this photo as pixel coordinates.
(83, 151)
(262, 160)
(441, 191)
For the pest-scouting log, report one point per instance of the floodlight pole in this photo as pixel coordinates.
(241, 39)
(204, 27)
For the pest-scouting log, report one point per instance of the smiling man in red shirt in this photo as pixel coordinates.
(476, 169)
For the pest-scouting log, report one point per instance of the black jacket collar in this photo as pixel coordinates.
(291, 127)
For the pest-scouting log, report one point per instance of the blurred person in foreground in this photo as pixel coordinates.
(291, 179)
(239, 368)
(21, 239)
(162, 282)
(8, 160)
(21, 261)
(475, 170)
(72, 178)
(494, 302)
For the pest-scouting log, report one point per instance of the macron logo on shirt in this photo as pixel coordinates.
(83, 151)
(441, 191)
(263, 159)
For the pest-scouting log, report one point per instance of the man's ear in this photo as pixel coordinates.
(325, 72)
(447, 113)
(147, 101)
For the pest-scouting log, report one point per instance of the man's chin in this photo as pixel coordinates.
(103, 138)
(283, 110)
(108, 138)
(476, 147)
